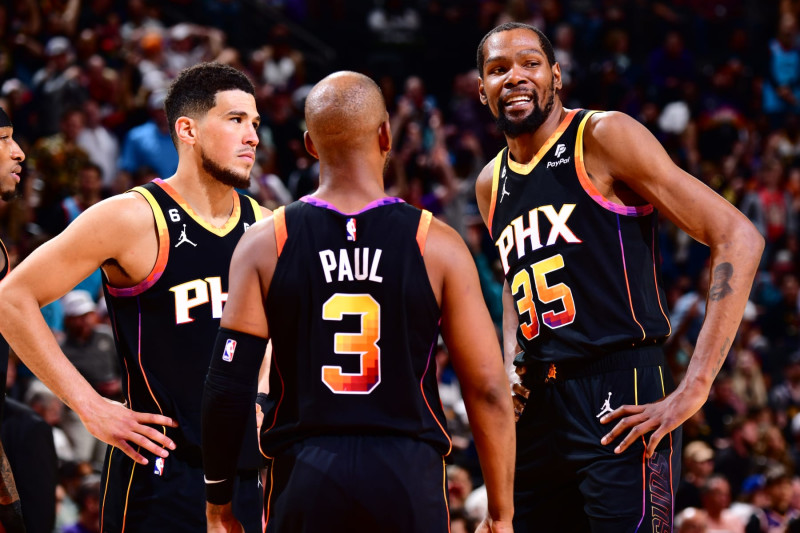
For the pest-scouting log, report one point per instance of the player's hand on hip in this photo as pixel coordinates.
(220, 519)
(659, 417)
(115, 424)
(519, 393)
(494, 526)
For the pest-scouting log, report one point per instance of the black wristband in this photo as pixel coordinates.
(236, 354)
(226, 406)
(266, 403)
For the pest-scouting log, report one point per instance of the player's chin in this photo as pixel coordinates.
(8, 191)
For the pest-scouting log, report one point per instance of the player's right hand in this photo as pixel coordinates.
(115, 424)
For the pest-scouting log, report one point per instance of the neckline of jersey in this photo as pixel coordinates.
(526, 168)
(388, 200)
(220, 231)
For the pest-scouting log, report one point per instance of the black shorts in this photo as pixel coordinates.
(358, 484)
(566, 481)
(135, 497)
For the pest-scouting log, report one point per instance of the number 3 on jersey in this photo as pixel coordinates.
(546, 295)
(363, 343)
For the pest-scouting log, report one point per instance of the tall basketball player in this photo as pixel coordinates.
(164, 250)
(11, 158)
(352, 287)
(571, 206)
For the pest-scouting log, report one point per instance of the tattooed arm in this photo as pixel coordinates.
(627, 164)
(10, 508)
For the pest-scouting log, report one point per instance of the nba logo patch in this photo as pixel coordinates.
(351, 229)
(230, 347)
(159, 468)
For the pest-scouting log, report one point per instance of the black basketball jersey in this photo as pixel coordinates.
(166, 325)
(354, 324)
(584, 272)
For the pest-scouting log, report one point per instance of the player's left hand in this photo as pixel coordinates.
(519, 393)
(494, 526)
(659, 417)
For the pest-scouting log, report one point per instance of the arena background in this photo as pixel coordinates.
(716, 81)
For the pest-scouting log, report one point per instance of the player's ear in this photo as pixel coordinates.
(557, 76)
(186, 130)
(310, 148)
(482, 92)
(385, 136)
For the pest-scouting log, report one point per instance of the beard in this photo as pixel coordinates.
(529, 124)
(7, 196)
(223, 175)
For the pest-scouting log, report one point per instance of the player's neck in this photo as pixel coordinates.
(209, 198)
(524, 148)
(350, 187)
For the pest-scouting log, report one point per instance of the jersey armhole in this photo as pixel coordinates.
(422, 230)
(279, 221)
(498, 163)
(163, 250)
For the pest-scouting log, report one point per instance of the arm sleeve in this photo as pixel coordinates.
(228, 397)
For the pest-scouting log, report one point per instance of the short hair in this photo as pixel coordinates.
(195, 90)
(547, 46)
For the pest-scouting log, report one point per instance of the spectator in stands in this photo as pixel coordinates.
(781, 90)
(698, 465)
(716, 496)
(150, 144)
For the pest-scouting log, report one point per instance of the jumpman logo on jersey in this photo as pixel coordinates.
(606, 407)
(504, 192)
(183, 238)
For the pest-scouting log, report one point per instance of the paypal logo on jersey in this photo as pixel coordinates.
(560, 149)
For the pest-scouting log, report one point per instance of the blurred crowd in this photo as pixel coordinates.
(716, 81)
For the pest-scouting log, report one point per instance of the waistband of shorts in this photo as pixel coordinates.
(552, 372)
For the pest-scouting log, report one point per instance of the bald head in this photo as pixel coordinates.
(345, 109)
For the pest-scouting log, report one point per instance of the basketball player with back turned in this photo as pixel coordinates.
(164, 249)
(571, 205)
(352, 287)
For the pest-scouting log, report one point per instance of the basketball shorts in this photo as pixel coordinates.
(566, 481)
(168, 495)
(357, 484)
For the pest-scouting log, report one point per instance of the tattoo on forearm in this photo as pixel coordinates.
(723, 353)
(721, 288)
(8, 489)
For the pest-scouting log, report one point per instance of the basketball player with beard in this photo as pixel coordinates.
(11, 158)
(164, 249)
(571, 205)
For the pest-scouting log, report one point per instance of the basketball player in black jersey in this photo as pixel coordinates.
(571, 205)
(11, 158)
(352, 286)
(164, 249)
